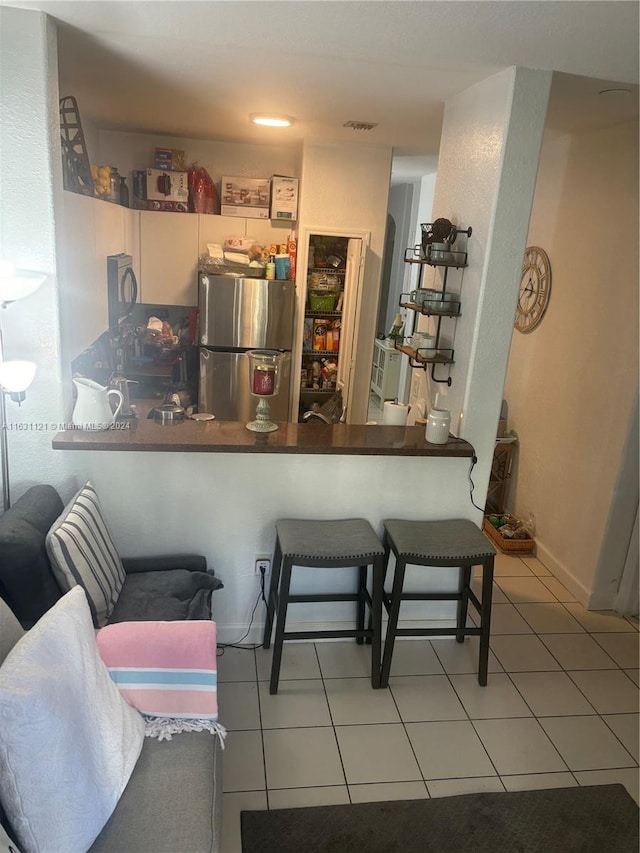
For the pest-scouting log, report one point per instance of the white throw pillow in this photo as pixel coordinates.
(82, 552)
(68, 740)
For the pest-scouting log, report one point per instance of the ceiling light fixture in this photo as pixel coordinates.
(266, 120)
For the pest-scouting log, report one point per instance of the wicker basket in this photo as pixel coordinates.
(507, 546)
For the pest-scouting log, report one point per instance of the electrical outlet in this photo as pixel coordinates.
(262, 566)
(416, 386)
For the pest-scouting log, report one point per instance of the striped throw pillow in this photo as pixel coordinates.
(82, 552)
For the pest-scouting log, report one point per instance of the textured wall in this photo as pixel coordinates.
(31, 181)
(486, 177)
(572, 382)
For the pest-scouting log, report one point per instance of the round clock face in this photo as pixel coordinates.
(535, 289)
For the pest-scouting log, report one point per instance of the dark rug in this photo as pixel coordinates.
(595, 819)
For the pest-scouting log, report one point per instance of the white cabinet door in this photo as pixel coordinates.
(91, 230)
(169, 258)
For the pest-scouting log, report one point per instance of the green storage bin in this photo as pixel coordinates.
(322, 301)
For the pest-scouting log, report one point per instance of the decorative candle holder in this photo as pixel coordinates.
(264, 381)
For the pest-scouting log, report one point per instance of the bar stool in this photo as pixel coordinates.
(327, 544)
(455, 542)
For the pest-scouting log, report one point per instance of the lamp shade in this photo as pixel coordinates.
(16, 376)
(17, 284)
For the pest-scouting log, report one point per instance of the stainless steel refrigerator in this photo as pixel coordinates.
(236, 315)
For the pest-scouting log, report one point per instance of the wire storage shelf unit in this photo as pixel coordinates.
(436, 250)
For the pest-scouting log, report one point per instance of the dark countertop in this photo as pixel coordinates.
(142, 434)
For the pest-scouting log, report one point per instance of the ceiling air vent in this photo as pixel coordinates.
(361, 125)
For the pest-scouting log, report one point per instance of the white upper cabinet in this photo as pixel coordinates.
(168, 258)
(92, 230)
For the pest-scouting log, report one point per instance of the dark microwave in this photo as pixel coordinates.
(122, 288)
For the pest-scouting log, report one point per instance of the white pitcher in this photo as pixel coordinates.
(92, 409)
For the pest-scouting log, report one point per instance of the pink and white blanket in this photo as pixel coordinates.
(168, 671)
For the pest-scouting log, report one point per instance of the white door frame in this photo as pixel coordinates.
(304, 234)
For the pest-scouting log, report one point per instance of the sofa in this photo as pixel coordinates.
(172, 801)
(154, 588)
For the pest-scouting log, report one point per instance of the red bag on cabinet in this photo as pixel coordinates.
(203, 197)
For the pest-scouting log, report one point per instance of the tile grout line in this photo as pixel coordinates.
(567, 673)
(333, 727)
(264, 754)
(404, 726)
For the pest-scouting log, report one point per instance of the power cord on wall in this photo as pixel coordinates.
(474, 461)
(236, 643)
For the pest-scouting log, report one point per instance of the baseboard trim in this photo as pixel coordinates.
(567, 578)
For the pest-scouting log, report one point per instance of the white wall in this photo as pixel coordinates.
(401, 197)
(486, 178)
(572, 382)
(346, 187)
(31, 180)
(424, 212)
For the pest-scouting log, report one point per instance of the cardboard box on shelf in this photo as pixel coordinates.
(155, 189)
(170, 159)
(248, 197)
(284, 198)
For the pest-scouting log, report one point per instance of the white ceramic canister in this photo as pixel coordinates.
(438, 424)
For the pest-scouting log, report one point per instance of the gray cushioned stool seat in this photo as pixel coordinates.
(337, 543)
(452, 542)
(456, 539)
(346, 539)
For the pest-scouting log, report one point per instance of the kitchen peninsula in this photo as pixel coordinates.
(217, 489)
(232, 437)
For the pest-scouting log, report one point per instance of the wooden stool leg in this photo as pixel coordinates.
(463, 603)
(485, 619)
(362, 585)
(385, 563)
(281, 619)
(272, 598)
(394, 610)
(376, 618)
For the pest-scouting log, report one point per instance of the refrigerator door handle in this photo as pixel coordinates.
(204, 308)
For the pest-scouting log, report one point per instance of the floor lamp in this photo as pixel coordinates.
(15, 376)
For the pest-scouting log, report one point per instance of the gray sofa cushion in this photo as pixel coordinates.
(172, 802)
(26, 581)
(168, 595)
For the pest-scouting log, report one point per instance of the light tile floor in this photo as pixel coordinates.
(560, 709)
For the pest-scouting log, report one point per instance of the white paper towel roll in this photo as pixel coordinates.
(395, 414)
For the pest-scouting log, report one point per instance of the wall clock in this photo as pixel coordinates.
(535, 289)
